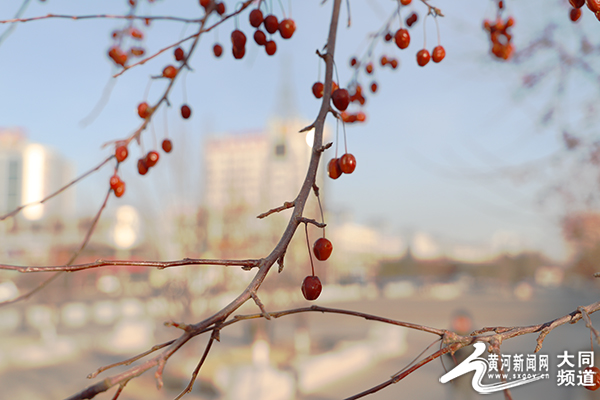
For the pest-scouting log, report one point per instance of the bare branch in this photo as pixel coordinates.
(130, 360)
(100, 16)
(260, 305)
(311, 221)
(588, 323)
(245, 264)
(190, 385)
(285, 206)
(11, 28)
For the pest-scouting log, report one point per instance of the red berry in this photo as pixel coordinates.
(361, 116)
(374, 87)
(341, 99)
(575, 14)
(121, 153)
(347, 163)
(317, 89)
(185, 111)
(238, 38)
(438, 54)
(311, 287)
(238, 53)
(151, 159)
(142, 167)
(402, 38)
(577, 3)
(423, 57)
(384, 60)
(271, 47)
(369, 68)
(179, 54)
(204, 3)
(137, 51)
(405, 2)
(118, 56)
(271, 23)
(170, 72)
(287, 27)
(322, 249)
(143, 110)
(394, 63)
(136, 34)
(256, 18)
(412, 19)
(217, 50)
(388, 37)
(333, 168)
(221, 8)
(260, 38)
(167, 146)
(353, 61)
(119, 189)
(596, 378)
(114, 181)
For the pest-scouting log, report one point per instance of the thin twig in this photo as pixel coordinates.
(100, 16)
(190, 385)
(130, 360)
(11, 28)
(245, 264)
(286, 205)
(305, 220)
(261, 306)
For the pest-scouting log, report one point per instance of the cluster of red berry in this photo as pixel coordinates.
(392, 62)
(119, 56)
(144, 164)
(575, 12)
(353, 117)
(212, 5)
(117, 185)
(596, 379)
(271, 24)
(500, 37)
(311, 286)
(346, 164)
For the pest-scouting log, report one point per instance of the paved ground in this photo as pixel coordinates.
(59, 381)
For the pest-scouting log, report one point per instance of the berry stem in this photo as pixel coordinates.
(437, 28)
(166, 123)
(323, 218)
(282, 9)
(345, 143)
(337, 77)
(183, 76)
(337, 131)
(400, 15)
(425, 31)
(154, 134)
(312, 266)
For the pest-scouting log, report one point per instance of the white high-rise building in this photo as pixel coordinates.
(28, 173)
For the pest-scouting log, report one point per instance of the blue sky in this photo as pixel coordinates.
(430, 158)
